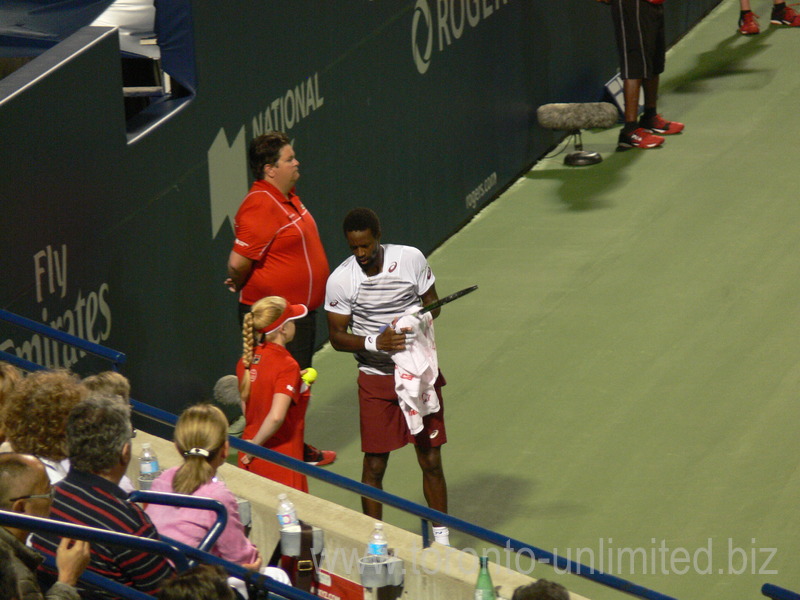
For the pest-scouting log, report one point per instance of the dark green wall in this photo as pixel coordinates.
(144, 224)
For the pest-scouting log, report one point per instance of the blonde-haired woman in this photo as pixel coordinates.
(201, 437)
(269, 384)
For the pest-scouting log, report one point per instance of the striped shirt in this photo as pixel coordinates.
(375, 301)
(87, 499)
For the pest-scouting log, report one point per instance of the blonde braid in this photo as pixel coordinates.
(248, 339)
(247, 356)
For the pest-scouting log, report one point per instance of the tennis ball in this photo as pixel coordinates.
(310, 376)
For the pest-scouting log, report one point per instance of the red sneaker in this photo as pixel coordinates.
(660, 125)
(786, 17)
(639, 138)
(320, 458)
(748, 24)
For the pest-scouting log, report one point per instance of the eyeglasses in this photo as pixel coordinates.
(48, 496)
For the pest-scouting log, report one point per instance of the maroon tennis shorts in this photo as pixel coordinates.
(383, 426)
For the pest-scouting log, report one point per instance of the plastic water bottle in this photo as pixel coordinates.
(287, 515)
(378, 544)
(484, 590)
(148, 466)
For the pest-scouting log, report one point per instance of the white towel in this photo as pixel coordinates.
(416, 369)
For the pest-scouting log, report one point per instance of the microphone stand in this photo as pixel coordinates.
(579, 158)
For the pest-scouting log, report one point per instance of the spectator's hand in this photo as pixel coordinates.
(254, 566)
(230, 284)
(247, 459)
(72, 558)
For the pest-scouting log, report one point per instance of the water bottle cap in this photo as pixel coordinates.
(145, 444)
(281, 496)
(378, 525)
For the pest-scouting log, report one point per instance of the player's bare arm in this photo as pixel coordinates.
(344, 341)
(430, 297)
(239, 268)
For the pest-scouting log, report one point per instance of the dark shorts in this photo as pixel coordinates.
(383, 426)
(639, 27)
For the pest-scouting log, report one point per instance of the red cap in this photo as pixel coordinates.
(292, 312)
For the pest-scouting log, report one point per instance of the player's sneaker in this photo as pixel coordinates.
(639, 138)
(785, 16)
(320, 458)
(748, 25)
(661, 126)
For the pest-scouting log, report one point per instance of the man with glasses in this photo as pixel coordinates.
(25, 489)
(99, 446)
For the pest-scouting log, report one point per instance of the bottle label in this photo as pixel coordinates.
(287, 519)
(148, 467)
(378, 548)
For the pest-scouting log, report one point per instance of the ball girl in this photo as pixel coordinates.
(270, 388)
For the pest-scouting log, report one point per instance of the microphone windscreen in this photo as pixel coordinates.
(570, 117)
(226, 390)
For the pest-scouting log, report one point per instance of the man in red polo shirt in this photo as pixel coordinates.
(277, 250)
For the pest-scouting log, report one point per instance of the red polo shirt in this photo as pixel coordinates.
(274, 371)
(281, 237)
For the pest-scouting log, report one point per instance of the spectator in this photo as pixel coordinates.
(35, 417)
(278, 250)
(203, 582)
(98, 441)
(109, 382)
(9, 376)
(269, 384)
(26, 489)
(541, 590)
(201, 439)
(781, 15)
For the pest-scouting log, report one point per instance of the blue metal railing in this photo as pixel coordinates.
(175, 551)
(426, 514)
(115, 357)
(778, 593)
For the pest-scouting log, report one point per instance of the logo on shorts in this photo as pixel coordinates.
(334, 303)
(392, 267)
(434, 433)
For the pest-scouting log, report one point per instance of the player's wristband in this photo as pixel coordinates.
(371, 343)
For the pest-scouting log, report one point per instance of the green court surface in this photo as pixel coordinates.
(624, 385)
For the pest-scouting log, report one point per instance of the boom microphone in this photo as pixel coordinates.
(572, 117)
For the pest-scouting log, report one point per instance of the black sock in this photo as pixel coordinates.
(779, 8)
(630, 127)
(648, 114)
(743, 13)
